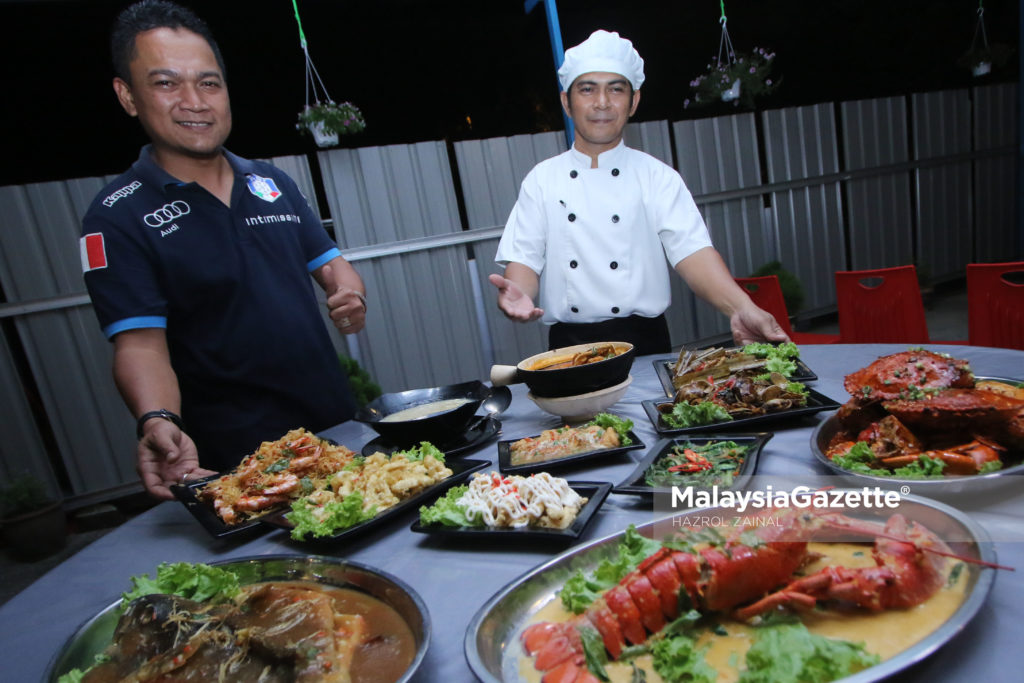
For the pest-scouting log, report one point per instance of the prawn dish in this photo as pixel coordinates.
(275, 474)
(552, 444)
(723, 603)
(919, 414)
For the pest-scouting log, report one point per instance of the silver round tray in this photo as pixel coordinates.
(492, 639)
(94, 635)
(947, 487)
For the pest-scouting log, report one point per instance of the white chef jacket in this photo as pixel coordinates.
(593, 234)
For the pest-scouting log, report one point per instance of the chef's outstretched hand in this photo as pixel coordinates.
(513, 301)
(753, 324)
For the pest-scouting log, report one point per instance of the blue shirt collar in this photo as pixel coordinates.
(150, 171)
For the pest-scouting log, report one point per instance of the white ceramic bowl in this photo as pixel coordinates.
(583, 406)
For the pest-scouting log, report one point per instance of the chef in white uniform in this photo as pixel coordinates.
(598, 221)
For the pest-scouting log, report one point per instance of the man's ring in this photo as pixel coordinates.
(184, 478)
(344, 322)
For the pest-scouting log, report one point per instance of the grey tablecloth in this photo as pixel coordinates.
(455, 578)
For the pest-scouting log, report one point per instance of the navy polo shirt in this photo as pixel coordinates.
(231, 286)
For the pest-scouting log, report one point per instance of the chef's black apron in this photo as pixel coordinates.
(647, 335)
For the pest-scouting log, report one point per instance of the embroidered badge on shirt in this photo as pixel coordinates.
(264, 188)
(93, 251)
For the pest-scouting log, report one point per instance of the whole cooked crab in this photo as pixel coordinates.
(918, 403)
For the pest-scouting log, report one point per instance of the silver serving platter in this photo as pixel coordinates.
(950, 487)
(94, 635)
(492, 639)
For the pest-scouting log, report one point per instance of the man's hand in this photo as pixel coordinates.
(513, 302)
(166, 455)
(753, 324)
(346, 309)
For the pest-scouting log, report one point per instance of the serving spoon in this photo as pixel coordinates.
(494, 404)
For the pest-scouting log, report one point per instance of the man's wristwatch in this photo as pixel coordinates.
(165, 414)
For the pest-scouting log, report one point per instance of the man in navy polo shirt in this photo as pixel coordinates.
(198, 263)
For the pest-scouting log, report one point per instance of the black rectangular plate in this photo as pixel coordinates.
(506, 466)
(635, 485)
(461, 469)
(203, 511)
(664, 373)
(816, 402)
(595, 491)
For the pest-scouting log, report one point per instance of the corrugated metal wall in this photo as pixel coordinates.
(801, 143)
(718, 155)
(996, 121)
(881, 227)
(942, 128)
(815, 200)
(421, 328)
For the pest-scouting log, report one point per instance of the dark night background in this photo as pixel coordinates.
(460, 69)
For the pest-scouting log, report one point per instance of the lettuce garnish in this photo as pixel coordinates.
(619, 424)
(324, 520)
(199, 582)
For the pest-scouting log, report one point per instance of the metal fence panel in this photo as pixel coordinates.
(651, 137)
(800, 143)
(996, 124)
(881, 224)
(421, 326)
(21, 449)
(490, 172)
(942, 127)
(68, 356)
(717, 155)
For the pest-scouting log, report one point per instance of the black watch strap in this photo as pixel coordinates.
(165, 414)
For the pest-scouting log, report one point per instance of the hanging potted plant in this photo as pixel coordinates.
(981, 57)
(732, 76)
(326, 121)
(31, 522)
(740, 79)
(324, 118)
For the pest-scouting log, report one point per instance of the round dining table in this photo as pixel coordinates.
(455, 576)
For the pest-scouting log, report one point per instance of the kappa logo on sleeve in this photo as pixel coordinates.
(264, 188)
(93, 251)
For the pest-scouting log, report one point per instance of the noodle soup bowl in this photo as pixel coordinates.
(436, 427)
(557, 381)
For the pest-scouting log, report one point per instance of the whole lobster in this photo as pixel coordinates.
(721, 578)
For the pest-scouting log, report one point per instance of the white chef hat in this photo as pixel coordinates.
(602, 51)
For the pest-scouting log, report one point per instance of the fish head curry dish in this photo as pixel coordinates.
(283, 630)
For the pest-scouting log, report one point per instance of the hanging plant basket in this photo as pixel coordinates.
(326, 121)
(322, 117)
(982, 56)
(732, 76)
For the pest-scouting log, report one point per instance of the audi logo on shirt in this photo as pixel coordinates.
(167, 213)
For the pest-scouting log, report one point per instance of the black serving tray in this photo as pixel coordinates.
(461, 469)
(506, 466)
(204, 513)
(664, 373)
(816, 403)
(635, 485)
(596, 492)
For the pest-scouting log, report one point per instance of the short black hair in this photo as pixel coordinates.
(146, 16)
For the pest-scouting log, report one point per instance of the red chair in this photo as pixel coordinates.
(995, 304)
(767, 293)
(882, 305)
